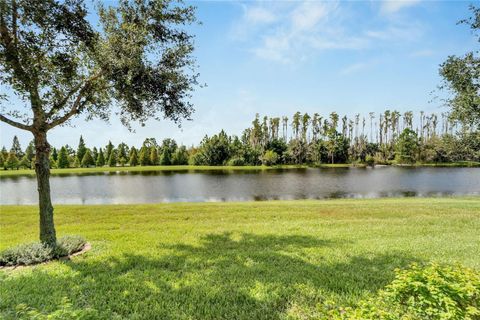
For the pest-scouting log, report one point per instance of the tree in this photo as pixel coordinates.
(16, 148)
(133, 157)
(406, 148)
(100, 159)
(81, 150)
(12, 161)
(461, 76)
(95, 154)
(62, 161)
(108, 149)
(112, 160)
(269, 158)
(153, 156)
(144, 156)
(138, 56)
(180, 157)
(168, 148)
(2, 160)
(54, 154)
(87, 159)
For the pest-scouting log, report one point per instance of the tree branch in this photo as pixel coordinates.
(77, 105)
(15, 124)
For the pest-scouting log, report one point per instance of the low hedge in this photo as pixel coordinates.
(33, 253)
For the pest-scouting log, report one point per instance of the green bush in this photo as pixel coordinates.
(236, 162)
(432, 292)
(32, 253)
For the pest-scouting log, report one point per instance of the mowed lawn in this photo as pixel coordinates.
(251, 260)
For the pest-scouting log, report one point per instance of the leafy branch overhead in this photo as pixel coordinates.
(461, 77)
(138, 58)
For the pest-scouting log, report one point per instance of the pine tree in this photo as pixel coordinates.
(25, 163)
(29, 155)
(108, 150)
(12, 161)
(112, 160)
(95, 154)
(4, 152)
(16, 148)
(144, 156)
(133, 157)
(54, 154)
(81, 150)
(100, 159)
(62, 161)
(153, 156)
(122, 151)
(87, 160)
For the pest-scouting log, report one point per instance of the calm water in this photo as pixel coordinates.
(175, 186)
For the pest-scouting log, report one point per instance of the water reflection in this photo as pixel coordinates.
(244, 185)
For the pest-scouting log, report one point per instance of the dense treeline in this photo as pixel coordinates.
(390, 137)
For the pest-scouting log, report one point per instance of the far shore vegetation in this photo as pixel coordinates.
(278, 142)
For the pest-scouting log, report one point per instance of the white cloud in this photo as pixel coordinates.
(259, 15)
(290, 32)
(394, 6)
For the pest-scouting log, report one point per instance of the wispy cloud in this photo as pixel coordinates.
(394, 6)
(289, 32)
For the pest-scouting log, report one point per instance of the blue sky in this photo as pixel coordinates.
(279, 57)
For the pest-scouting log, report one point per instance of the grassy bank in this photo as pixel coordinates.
(253, 260)
(146, 168)
(6, 173)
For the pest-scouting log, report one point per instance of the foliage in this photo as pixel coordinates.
(270, 158)
(180, 157)
(81, 151)
(133, 157)
(100, 159)
(236, 162)
(87, 159)
(407, 147)
(153, 156)
(33, 253)
(12, 161)
(112, 160)
(461, 77)
(62, 161)
(435, 291)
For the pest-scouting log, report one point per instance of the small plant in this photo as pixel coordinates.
(33, 253)
(432, 292)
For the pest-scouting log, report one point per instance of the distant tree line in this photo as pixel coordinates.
(389, 137)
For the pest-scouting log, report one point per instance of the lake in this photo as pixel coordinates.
(282, 184)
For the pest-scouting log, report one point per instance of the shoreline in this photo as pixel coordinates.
(29, 172)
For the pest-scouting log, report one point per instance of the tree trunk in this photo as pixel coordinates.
(42, 170)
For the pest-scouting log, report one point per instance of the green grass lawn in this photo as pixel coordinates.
(252, 260)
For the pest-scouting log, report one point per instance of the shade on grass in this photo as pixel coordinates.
(253, 260)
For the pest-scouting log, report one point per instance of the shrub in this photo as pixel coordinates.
(270, 158)
(432, 292)
(239, 161)
(33, 253)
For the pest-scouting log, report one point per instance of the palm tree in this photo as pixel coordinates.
(296, 123)
(372, 116)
